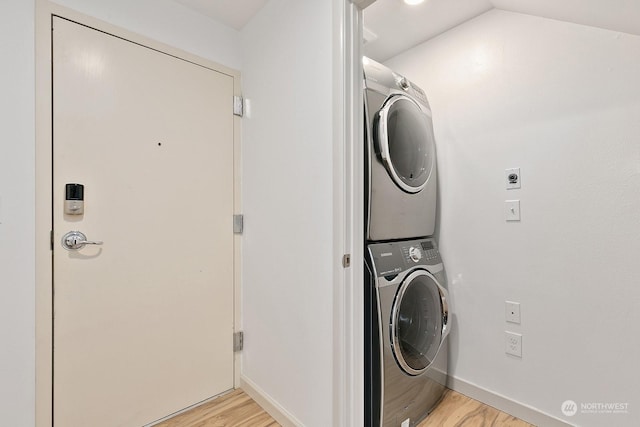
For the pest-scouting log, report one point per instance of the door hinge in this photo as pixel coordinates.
(238, 341)
(346, 260)
(238, 106)
(238, 224)
(51, 240)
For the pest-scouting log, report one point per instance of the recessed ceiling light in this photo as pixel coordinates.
(413, 2)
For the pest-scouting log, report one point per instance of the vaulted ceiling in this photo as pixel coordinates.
(391, 26)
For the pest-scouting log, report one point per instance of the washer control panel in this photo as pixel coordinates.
(394, 257)
(424, 251)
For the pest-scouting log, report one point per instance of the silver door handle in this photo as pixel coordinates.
(74, 240)
(444, 301)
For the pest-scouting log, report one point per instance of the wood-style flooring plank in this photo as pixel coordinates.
(233, 409)
(458, 410)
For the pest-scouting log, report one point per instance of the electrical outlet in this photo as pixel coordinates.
(513, 343)
(512, 311)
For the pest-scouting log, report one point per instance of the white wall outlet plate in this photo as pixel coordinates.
(512, 311)
(513, 343)
(512, 210)
(512, 177)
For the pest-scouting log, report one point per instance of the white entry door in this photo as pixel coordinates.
(143, 323)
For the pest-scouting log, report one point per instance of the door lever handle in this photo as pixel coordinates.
(74, 240)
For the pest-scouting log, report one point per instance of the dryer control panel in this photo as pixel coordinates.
(395, 257)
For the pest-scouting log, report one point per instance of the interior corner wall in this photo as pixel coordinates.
(17, 214)
(288, 207)
(168, 22)
(562, 102)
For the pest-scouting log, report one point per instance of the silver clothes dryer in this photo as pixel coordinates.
(407, 321)
(400, 157)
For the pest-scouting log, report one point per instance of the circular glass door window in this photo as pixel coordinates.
(416, 323)
(406, 143)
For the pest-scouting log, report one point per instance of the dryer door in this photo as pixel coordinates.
(405, 143)
(419, 322)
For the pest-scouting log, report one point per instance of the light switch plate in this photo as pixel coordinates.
(512, 210)
(512, 178)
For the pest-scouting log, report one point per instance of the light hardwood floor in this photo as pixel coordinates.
(230, 410)
(458, 410)
(238, 409)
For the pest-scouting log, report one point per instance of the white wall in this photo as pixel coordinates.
(287, 200)
(168, 22)
(562, 102)
(17, 213)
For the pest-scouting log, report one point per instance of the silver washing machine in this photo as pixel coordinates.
(406, 328)
(401, 157)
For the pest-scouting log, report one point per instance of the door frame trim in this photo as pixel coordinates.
(44, 11)
(348, 233)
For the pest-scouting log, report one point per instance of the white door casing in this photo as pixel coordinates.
(143, 324)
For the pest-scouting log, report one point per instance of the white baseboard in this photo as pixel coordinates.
(281, 415)
(503, 403)
(511, 407)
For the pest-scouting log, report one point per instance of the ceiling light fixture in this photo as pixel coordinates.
(413, 2)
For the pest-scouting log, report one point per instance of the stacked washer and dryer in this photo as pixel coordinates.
(407, 317)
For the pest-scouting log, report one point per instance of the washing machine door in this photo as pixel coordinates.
(419, 322)
(405, 143)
